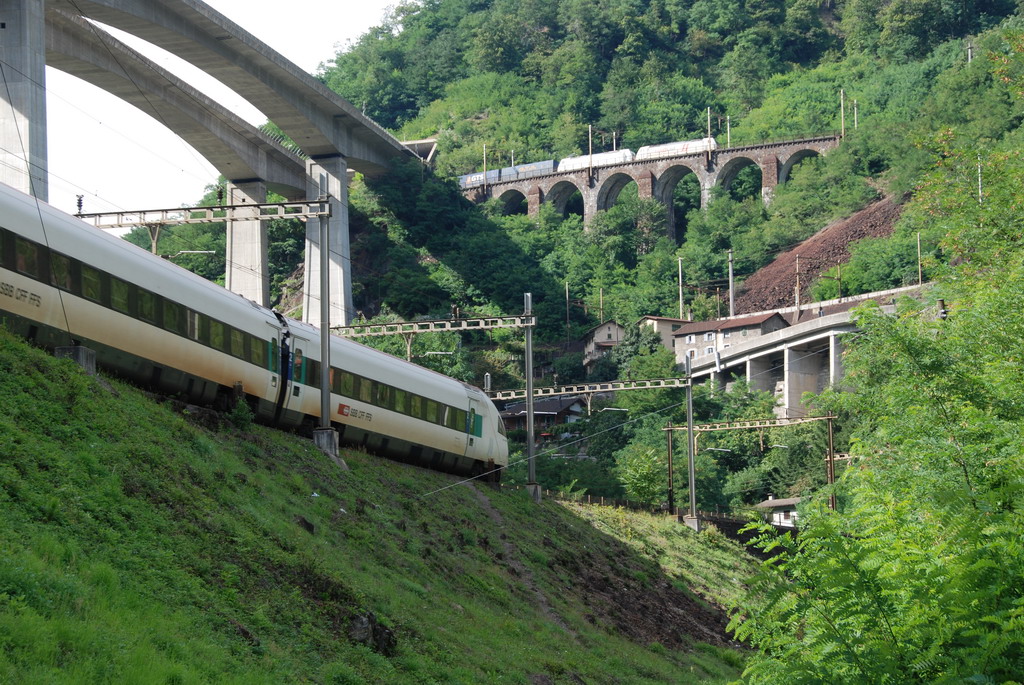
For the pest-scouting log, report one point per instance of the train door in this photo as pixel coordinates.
(299, 372)
(477, 442)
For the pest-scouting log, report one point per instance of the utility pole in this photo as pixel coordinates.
(532, 486)
(325, 437)
(590, 148)
(842, 113)
(920, 275)
(831, 468)
(567, 312)
(671, 486)
(732, 296)
(797, 293)
(690, 519)
(680, 259)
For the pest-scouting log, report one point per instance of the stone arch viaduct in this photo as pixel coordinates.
(332, 136)
(657, 178)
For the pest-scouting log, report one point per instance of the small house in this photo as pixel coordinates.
(779, 512)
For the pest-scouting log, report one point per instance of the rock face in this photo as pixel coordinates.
(364, 629)
(773, 286)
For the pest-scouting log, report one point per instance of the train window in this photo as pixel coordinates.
(216, 335)
(237, 343)
(385, 396)
(501, 428)
(457, 419)
(60, 271)
(193, 324)
(416, 406)
(347, 384)
(92, 286)
(26, 257)
(257, 352)
(477, 428)
(401, 401)
(313, 373)
(147, 306)
(174, 314)
(431, 411)
(297, 366)
(275, 355)
(119, 295)
(366, 393)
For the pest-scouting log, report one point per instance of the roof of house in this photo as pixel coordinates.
(664, 318)
(778, 503)
(547, 406)
(603, 323)
(726, 324)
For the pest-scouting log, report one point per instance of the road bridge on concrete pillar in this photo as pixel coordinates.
(803, 357)
(657, 178)
(325, 127)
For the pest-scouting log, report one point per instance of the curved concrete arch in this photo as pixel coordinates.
(238, 150)
(559, 195)
(320, 122)
(800, 155)
(513, 201)
(610, 189)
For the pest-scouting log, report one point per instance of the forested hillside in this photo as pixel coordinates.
(918, 576)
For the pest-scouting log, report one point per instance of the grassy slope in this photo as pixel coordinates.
(138, 545)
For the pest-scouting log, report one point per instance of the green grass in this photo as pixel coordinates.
(138, 546)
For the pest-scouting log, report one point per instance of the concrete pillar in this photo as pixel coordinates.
(534, 197)
(23, 158)
(329, 175)
(246, 271)
(801, 375)
(759, 374)
(835, 359)
(769, 178)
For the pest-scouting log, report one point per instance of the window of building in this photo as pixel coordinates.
(690, 339)
(726, 334)
(709, 350)
(710, 335)
(691, 353)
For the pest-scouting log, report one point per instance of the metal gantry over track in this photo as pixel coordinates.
(592, 388)
(206, 215)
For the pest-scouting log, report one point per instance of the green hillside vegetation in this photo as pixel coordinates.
(151, 542)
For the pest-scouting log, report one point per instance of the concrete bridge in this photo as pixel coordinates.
(656, 178)
(332, 136)
(805, 356)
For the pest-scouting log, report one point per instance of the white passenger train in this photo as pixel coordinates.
(62, 280)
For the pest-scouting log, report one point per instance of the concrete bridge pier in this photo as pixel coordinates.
(329, 175)
(23, 157)
(246, 270)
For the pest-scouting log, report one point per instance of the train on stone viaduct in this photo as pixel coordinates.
(601, 159)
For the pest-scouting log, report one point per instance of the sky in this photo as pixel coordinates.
(121, 159)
